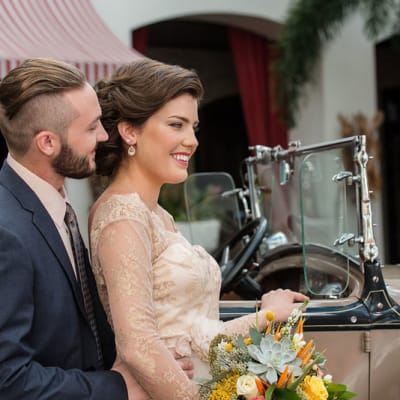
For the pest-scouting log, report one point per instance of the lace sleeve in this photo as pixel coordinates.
(204, 331)
(241, 325)
(124, 253)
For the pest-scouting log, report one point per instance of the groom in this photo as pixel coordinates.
(55, 341)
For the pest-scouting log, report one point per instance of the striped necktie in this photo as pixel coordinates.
(79, 257)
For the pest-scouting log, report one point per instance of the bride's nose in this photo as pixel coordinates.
(190, 139)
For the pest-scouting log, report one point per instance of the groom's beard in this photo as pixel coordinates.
(71, 165)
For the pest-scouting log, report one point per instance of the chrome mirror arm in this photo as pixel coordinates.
(368, 247)
(252, 187)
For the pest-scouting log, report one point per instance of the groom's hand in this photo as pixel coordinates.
(185, 364)
(135, 391)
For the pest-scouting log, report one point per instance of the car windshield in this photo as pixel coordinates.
(308, 203)
(311, 212)
(212, 209)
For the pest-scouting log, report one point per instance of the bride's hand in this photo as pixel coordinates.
(282, 302)
(184, 362)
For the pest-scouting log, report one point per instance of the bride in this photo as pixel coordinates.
(160, 292)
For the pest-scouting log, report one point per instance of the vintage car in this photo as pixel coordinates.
(302, 220)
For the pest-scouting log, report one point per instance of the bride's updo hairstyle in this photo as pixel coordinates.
(133, 94)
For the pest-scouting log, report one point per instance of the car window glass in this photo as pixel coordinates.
(212, 209)
(326, 214)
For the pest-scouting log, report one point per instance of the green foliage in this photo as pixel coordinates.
(308, 27)
(255, 335)
(269, 392)
(378, 16)
(338, 391)
(172, 199)
(285, 394)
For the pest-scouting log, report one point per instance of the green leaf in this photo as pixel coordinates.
(338, 391)
(255, 336)
(240, 342)
(306, 371)
(347, 395)
(269, 392)
(336, 387)
(216, 379)
(285, 394)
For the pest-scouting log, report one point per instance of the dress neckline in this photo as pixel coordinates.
(159, 213)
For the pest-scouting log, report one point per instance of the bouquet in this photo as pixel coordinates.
(274, 364)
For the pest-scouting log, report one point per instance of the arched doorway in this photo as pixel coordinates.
(223, 140)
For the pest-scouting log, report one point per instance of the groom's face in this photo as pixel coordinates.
(76, 157)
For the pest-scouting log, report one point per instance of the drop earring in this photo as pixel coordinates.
(131, 151)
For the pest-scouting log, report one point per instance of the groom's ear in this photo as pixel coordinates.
(47, 143)
(127, 132)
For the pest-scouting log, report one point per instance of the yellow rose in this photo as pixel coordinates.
(247, 387)
(312, 388)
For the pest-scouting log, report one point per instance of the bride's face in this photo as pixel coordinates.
(167, 141)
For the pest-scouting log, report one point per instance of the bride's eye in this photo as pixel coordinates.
(176, 124)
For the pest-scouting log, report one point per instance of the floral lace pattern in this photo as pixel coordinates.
(159, 292)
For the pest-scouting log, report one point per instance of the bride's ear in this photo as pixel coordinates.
(127, 132)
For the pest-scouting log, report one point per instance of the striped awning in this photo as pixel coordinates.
(68, 30)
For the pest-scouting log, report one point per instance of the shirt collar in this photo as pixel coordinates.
(52, 199)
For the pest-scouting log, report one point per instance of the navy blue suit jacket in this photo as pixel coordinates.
(47, 350)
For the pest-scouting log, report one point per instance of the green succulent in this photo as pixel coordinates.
(271, 357)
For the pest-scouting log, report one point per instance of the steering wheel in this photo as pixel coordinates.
(250, 236)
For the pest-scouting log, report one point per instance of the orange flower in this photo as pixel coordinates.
(305, 349)
(260, 386)
(277, 333)
(282, 379)
(299, 328)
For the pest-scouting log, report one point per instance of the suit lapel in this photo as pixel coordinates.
(43, 223)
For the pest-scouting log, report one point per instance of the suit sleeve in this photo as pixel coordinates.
(21, 377)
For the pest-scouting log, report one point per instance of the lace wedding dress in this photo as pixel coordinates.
(159, 292)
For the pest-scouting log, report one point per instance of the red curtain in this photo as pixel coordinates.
(253, 56)
(139, 39)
